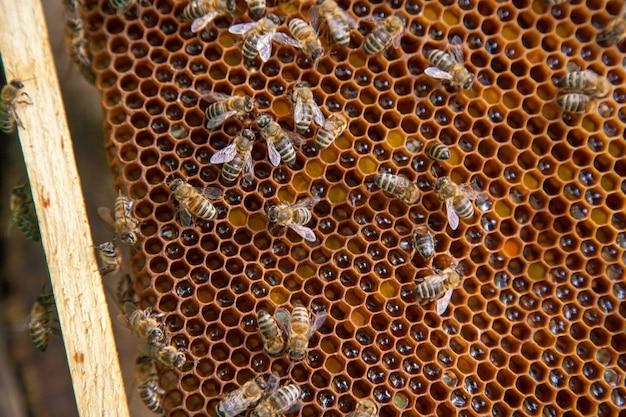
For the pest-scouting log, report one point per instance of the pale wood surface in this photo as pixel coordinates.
(50, 162)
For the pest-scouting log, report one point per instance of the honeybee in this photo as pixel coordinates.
(258, 37)
(237, 157)
(202, 12)
(256, 7)
(423, 242)
(279, 141)
(458, 200)
(147, 379)
(23, 212)
(125, 225)
(438, 152)
(40, 318)
(388, 32)
(304, 33)
(295, 217)
(236, 402)
(615, 31)
(299, 328)
(125, 293)
(145, 324)
(110, 257)
(574, 102)
(194, 201)
(450, 65)
(168, 355)
(285, 400)
(339, 21)
(8, 102)
(399, 186)
(273, 341)
(438, 287)
(227, 107)
(77, 47)
(364, 408)
(305, 109)
(332, 128)
(121, 6)
(586, 82)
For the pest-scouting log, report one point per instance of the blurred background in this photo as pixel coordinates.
(33, 383)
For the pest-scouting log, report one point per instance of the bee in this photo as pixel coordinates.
(125, 225)
(574, 102)
(423, 242)
(125, 293)
(147, 379)
(145, 324)
(121, 6)
(110, 257)
(295, 217)
(285, 400)
(256, 7)
(438, 152)
(8, 102)
(615, 31)
(194, 201)
(304, 33)
(438, 287)
(305, 109)
(168, 355)
(77, 47)
(332, 128)
(299, 328)
(227, 107)
(273, 341)
(339, 21)
(202, 12)
(40, 318)
(237, 157)
(399, 186)
(364, 408)
(236, 402)
(458, 200)
(450, 65)
(279, 141)
(23, 212)
(388, 32)
(586, 82)
(258, 37)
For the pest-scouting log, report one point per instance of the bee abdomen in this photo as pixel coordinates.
(194, 10)
(285, 149)
(438, 151)
(463, 207)
(387, 182)
(203, 208)
(441, 60)
(28, 226)
(428, 291)
(285, 397)
(39, 335)
(299, 29)
(232, 168)
(307, 116)
(299, 318)
(257, 7)
(249, 47)
(215, 109)
(376, 41)
(573, 103)
(149, 394)
(301, 216)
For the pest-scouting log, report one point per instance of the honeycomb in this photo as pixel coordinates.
(536, 326)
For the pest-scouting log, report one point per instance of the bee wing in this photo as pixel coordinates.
(272, 153)
(241, 28)
(443, 302)
(283, 318)
(217, 121)
(200, 23)
(215, 96)
(453, 217)
(248, 168)
(469, 192)
(318, 116)
(314, 18)
(456, 50)
(298, 109)
(437, 73)
(294, 137)
(293, 407)
(264, 46)
(335, 25)
(273, 383)
(304, 232)
(212, 193)
(285, 39)
(307, 203)
(225, 154)
(185, 216)
(396, 39)
(106, 215)
(349, 20)
(121, 10)
(316, 322)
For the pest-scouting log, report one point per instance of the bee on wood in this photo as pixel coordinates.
(586, 82)
(23, 212)
(399, 186)
(438, 151)
(40, 326)
(364, 408)
(237, 157)
(77, 47)
(295, 217)
(148, 380)
(125, 293)
(194, 201)
(299, 326)
(304, 33)
(285, 400)
(458, 200)
(423, 242)
(145, 324)
(279, 141)
(10, 96)
(438, 287)
(226, 107)
(258, 37)
(238, 401)
(273, 342)
(388, 32)
(574, 102)
(110, 257)
(202, 12)
(305, 109)
(168, 355)
(338, 20)
(615, 31)
(125, 225)
(450, 65)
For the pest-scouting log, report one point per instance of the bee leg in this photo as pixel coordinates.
(23, 101)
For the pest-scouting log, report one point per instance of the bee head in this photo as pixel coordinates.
(17, 84)
(260, 382)
(175, 183)
(296, 356)
(263, 120)
(468, 82)
(180, 360)
(248, 134)
(272, 214)
(441, 182)
(249, 104)
(219, 410)
(317, 54)
(130, 238)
